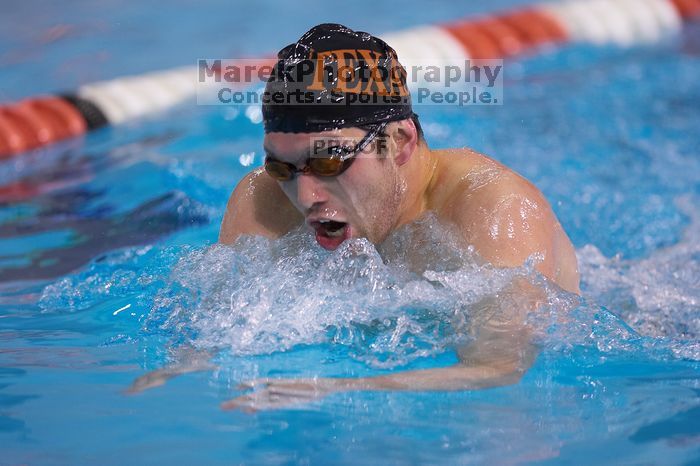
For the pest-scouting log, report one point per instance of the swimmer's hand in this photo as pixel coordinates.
(281, 393)
(160, 376)
(191, 361)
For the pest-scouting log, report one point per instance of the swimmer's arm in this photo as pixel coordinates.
(500, 355)
(258, 207)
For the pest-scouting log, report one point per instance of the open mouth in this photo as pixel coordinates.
(330, 233)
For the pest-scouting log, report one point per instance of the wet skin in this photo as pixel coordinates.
(500, 213)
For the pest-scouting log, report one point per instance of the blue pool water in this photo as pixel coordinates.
(107, 269)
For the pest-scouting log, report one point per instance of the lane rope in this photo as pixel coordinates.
(36, 122)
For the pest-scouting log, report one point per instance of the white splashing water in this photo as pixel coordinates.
(658, 296)
(415, 296)
(412, 297)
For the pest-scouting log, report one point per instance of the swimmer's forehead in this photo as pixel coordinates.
(298, 145)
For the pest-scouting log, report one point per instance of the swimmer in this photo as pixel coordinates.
(346, 170)
(389, 178)
(369, 190)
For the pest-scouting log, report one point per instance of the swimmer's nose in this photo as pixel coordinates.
(310, 191)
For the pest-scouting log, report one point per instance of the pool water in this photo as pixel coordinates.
(109, 268)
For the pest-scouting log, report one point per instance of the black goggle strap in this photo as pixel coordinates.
(369, 137)
(345, 153)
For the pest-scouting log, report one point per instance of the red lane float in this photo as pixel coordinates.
(475, 41)
(538, 27)
(687, 8)
(65, 116)
(36, 122)
(33, 123)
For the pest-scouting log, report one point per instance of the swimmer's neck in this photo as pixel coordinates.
(418, 175)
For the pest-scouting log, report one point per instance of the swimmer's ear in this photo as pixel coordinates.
(405, 135)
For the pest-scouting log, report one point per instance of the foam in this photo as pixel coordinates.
(386, 305)
(658, 295)
(415, 296)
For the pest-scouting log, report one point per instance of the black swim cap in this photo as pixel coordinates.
(334, 77)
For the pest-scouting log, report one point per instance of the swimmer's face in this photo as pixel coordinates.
(362, 202)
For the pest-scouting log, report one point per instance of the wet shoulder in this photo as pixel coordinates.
(504, 215)
(467, 178)
(258, 206)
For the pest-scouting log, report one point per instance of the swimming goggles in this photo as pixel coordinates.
(331, 161)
